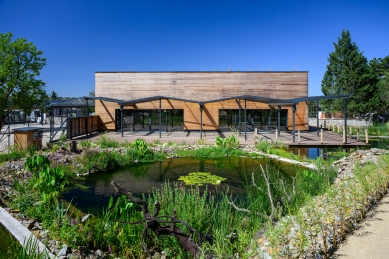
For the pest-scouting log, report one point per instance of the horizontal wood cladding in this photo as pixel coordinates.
(201, 86)
(210, 118)
(24, 139)
(77, 126)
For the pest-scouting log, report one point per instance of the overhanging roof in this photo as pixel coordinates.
(154, 98)
(314, 98)
(81, 102)
(71, 103)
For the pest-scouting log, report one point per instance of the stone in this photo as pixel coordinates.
(29, 224)
(85, 218)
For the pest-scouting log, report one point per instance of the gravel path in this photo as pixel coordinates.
(371, 240)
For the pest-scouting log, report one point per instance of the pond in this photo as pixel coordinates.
(142, 178)
(6, 240)
(315, 152)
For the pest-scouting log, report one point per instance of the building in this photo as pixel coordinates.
(201, 100)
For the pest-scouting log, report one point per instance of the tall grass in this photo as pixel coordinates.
(341, 206)
(13, 155)
(30, 251)
(106, 142)
(213, 152)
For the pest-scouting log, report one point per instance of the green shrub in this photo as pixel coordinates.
(106, 142)
(48, 181)
(14, 155)
(142, 153)
(264, 146)
(102, 161)
(86, 143)
(229, 142)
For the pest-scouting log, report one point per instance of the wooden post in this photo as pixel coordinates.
(338, 129)
(344, 135)
(298, 136)
(366, 136)
(256, 136)
(358, 133)
(333, 127)
(351, 132)
(277, 134)
(321, 136)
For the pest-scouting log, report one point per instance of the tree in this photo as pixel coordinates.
(20, 64)
(380, 67)
(53, 96)
(348, 72)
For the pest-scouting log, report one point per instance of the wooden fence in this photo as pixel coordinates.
(82, 125)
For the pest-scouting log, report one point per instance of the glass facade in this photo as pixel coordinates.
(148, 120)
(260, 119)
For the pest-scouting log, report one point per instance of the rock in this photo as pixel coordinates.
(29, 224)
(85, 218)
(65, 250)
(99, 252)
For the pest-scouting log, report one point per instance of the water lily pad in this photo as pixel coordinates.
(200, 178)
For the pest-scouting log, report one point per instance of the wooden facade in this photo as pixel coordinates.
(199, 87)
(77, 126)
(28, 136)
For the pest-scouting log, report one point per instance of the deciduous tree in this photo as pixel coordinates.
(20, 64)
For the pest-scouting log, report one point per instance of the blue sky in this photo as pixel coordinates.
(79, 37)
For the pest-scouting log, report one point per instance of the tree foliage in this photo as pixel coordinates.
(348, 72)
(380, 68)
(53, 96)
(20, 64)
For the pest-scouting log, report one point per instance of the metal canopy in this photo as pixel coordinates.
(154, 98)
(262, 99)
(81, 102)
(71, 103)
(314, 98)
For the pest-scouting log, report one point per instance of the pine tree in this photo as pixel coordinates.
(380, 67)
(348, 72)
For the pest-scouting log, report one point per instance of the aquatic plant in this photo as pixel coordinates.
(229, 142)
(200, 178)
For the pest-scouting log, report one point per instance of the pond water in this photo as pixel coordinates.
(315, 152)
(141, 178)
(6, 239)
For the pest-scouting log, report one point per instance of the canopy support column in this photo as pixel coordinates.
(121, 119)
(133, 119)
(239, 117)
(245, 120)
(160, 117)
(167, 122)
(201, 120)
(293, 122)
(86, 114)
(317, 116)
(345, 119)
(268, 120)
(279, 120)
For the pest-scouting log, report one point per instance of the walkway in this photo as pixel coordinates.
(371, 240)
(307, 139)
